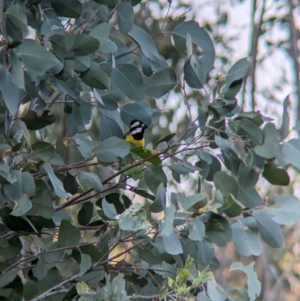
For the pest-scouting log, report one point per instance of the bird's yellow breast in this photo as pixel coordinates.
(138, 143)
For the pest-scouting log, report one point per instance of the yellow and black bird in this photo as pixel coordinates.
(135, 134)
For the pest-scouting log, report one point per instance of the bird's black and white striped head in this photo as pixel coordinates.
(137, 129)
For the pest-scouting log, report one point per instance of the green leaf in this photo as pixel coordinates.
(159, 203)
(85, 214)
(107, 2)
(231, 207)
(110, 125)
(251, 130)
(70, 184)
(276, 175)
(134, 218)
(111, 149)
(203, 297)
(68, 234)
(108, 209)
(160, 83)
(285, 124)
(125, 17)
(68, 8)
(183, 168)
(11, 94)
(41, 269)
(35, 122)
(187, 203)
(154, 176)
(246, 239)
(218, 230)
(7, 278)
(215, 292)
(42, 151)
(220, 108)
(254, 285)
(95, 77)
(146, 153)
(56, 183)
(36, 57)
(7, 251)
(237, 72)
(85, 264)
(84, 44)
(267, 149)
(269, 230)
(17, 71)
(199, 36)
(120, 201)
(167, 225)
(172, 244)
(195, 73)
(285, 209)
(88, 180)
(144, 40)
(226, 183)
(22, 206)
(291, 151)
(214, 167)
(206, 251)
(198, 229)
(85, 144)
(139, 111)
(101, 32)
(16, 22)
(249, 197)
(166, 138)
(129, 80)
(41, 206)
(249, 170)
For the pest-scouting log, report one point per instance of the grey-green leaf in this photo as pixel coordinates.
(96, 77)
(36, 57)
(57, 184)
(249, 197)
(125, 17)
(245, 239)
(267, 149)
(111, 149)
(226, 183)
(167, 225)
(160, 83)
(101, 32)
(291, 151)
(85, 264)
(129, 80)
(109, 209)
(195, 73)
(172, 243)
(135, 110)
(236, 72)
(144, 40)
(68, 234)
(269, 230)
(198, 229)
(11, 94)
(89, 180)
(254, 285)
(285, 209)
(199, 36)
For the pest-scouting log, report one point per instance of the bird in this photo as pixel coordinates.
(135, 134)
